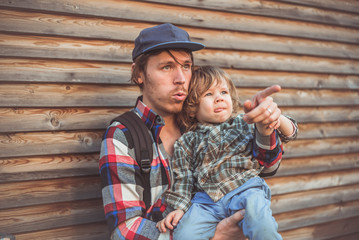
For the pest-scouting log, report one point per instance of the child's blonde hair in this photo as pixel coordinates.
(203, 78)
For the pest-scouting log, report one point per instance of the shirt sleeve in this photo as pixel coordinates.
(268, 150)
(293, 136)
(179, 197)
(122, 194)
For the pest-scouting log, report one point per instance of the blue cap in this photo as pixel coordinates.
(164, 36)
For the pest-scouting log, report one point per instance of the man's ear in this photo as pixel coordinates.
(138, 75)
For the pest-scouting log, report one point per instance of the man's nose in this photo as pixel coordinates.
(180, 77)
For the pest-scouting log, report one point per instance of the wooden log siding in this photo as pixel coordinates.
(64, 74)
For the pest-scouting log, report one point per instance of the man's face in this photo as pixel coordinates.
(166, 80)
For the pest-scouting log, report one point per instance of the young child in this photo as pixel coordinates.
(218, 161)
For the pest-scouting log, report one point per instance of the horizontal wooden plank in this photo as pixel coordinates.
(122, 31)
(301, 97)
(49, 216)
(322, 113)
(274, 9)
(64, 48)
(68, 95)
(40, 70)
(314, 198)
(92, 231)
(132, 10)
(275, 62)
(305, 182)
(328, 130)
(16, 169)
(44, 119)
(350, 236)
(343, 5)
(98, 50)
(312, 164)
(69, 71)
(44, 143)
(317, 147)
(343, 229)
(312, 216)
(29, 193)
(252, 78)
(91, 95)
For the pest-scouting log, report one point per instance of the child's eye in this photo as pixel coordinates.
(224, 92)
(208, 94)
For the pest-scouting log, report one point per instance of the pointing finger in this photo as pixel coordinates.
(269, 91)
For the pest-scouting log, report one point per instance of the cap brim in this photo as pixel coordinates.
(193, 46)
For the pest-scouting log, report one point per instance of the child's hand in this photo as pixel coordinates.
(170, 221)
(262, 111)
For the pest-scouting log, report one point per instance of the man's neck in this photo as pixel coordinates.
(170, 133)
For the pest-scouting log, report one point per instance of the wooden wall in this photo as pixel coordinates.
(64, 70)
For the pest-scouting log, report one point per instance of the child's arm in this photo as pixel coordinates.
(170, 221)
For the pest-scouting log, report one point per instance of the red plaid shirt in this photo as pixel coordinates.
(122, 188)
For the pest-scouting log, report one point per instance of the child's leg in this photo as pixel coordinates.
(258, 223)
(200, 221)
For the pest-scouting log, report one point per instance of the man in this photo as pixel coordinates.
(162, 68)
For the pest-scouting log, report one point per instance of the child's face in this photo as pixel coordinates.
(215, 104)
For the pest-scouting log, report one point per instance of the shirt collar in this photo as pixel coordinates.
(152, 120)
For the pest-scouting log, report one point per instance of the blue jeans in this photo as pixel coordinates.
(200, 221)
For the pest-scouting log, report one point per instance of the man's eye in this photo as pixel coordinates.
(167, 67)
(187, 66)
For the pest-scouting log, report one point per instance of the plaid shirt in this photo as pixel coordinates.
(219, 158)
(122, 188)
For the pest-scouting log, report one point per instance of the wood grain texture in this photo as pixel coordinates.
(313, 164)
(307, 217)
(68, 95)
(314, 198)
(345, 5)
(44, 143)
(64, 74)
(49, 191)
(69, 71)
(332, 230)
(92, 231)
(50, 216)
(55, 119)
(304, 182)
(91, 95)
(276, 9)
(113, 31)
(17, 169)
(135, 10)
(97, 50)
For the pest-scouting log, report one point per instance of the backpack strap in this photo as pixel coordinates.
(139, 138)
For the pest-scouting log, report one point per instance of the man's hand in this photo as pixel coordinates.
(262, 111)
(228, 228)
(170, 221)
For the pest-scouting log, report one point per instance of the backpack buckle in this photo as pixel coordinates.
(145, 165)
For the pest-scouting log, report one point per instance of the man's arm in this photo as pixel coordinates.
(121, 191)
